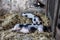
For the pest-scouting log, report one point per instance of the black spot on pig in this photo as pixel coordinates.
(26, 15)
(27, 25)
(21, 25)
(34, 19)
(34, 24)
(33, 29)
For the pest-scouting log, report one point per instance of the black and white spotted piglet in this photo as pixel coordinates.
(28, 28)
(34, 18)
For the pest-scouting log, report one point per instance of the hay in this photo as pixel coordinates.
(7, 35)
(12, 19)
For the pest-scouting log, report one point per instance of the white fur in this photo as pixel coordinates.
(29, 15)
(40, 28)
(24, 30)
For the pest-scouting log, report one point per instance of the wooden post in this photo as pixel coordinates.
(53, 9)
(55, 18)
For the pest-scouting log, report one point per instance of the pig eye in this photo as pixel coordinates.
(33, 29)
